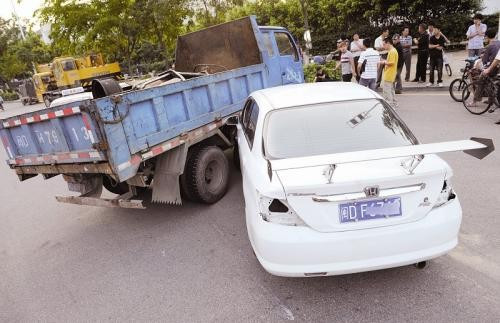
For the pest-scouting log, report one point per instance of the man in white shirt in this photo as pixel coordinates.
(356, 49)
(406, 42)
(379, 46)
(368, 65)
(475, 35)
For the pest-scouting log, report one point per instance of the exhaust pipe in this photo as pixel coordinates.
(421, 265)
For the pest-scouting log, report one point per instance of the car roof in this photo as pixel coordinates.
(312, 93)
(71, 98)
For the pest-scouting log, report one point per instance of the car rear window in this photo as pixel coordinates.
(335, 127)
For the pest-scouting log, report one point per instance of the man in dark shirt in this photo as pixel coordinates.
(423, 53)
(436, 45)
(401, 61)
(493, 46)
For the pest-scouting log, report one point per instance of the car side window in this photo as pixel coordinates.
(285, 45)
(249, 121)
(245, 114)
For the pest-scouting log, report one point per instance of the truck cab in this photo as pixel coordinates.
(283, 61)
(66, 72)
(43, 82)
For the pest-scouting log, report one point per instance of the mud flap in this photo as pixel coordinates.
(169, 166)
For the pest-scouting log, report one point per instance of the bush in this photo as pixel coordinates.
(10, 96)
(329, 67)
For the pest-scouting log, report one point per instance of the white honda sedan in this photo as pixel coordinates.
(335, 182)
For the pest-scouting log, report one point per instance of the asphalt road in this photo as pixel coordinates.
(194, 263)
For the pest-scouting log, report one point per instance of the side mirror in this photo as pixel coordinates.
(233, 120)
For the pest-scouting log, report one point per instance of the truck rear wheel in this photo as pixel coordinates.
(113, 186)
(206, 176)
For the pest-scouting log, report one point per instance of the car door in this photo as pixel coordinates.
(290, 63)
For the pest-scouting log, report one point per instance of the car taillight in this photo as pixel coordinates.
(278, 211)
(447, 194)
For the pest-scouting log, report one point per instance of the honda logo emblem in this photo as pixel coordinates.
(371, 191)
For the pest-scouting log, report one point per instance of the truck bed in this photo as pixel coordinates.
(115, 134)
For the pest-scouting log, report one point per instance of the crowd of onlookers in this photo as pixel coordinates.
(381, 63)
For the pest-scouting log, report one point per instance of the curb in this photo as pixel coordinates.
(421, 89)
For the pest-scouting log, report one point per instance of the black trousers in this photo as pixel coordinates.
(346, 77)
(356, 60)
(422, 56)
(436, 63)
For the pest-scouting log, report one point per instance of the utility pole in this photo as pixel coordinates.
(307, 39)
(16, 19)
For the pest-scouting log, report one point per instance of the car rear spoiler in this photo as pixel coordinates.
(477, 147)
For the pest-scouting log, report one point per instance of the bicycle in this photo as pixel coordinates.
(446, 65)
(459, 84)
(488, 87)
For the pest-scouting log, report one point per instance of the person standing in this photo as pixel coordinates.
(406, 42)
(399, 49)
(492, 48)
(430, 31)
(390, 71)
(475, 35)
(423, 53)
(436, 46)
(356, 49)
(346, 63)
(488, 58)
(379, 46)
(1, 104)
(367, 65)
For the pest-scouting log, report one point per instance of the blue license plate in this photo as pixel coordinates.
(369, 210)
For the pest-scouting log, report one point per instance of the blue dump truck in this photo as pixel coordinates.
(167, 133)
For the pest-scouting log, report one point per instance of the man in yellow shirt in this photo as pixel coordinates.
(390, 70)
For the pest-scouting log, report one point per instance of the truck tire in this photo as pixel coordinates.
(114, 187)
(206, 176)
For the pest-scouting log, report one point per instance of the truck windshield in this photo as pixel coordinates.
(68, 65)
(335, 127)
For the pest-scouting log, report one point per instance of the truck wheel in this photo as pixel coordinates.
(114, 187)
(206, 175)
(46, 101)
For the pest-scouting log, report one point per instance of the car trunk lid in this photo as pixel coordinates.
(321, 202)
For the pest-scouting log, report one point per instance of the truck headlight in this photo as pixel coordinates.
(278, 211)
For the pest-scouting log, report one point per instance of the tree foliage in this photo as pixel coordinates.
(18, 55)
(120, 29)
(328, 19)
(144, 32)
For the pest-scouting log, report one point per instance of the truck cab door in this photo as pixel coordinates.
(289, 59)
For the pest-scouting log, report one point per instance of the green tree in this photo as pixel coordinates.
(17, 55)
(117, 28)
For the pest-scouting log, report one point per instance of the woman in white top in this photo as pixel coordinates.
(356, 49)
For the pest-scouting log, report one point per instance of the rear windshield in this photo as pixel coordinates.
(331, 128)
